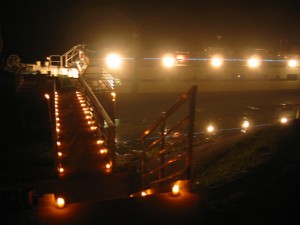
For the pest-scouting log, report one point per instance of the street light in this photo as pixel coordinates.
(292, 63)
(113, 61)
(216, 61)
(168, 61)
(253, 62)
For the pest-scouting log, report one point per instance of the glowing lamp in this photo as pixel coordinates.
(175, 189)
(61, 170)
(283, 120)
(168, 61)
(99, 142)
(143, 193)
(113, 61)
(210, 128)
(47, 96)
(245, 124)
(292, 63)
(60, 202)
(59, 154)
(93, 127)
(103, 151)
(253, 62)
(216, 62)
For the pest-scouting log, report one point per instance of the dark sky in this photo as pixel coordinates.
(34, 29)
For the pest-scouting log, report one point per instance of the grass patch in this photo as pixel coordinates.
(244, 155)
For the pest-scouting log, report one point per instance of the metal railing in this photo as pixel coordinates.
(168, 156)
(105, 124)
(76, 56)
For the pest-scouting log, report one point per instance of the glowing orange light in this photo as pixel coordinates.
(60, 202)
(103, 151)
(210, 128)
(61, 169)
(283, 120)
(175, 189)
(47, 96)
(93, 127)
(99, 142)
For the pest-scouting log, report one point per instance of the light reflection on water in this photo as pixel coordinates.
(226, 110)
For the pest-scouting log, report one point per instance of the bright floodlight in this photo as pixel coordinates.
(283, 120)
(114, 61)
(292, 63)
(210, 128)
(168, 61)
(253, 62)
(245, 124)
(216, 62)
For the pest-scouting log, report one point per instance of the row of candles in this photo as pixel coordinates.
(88, 117)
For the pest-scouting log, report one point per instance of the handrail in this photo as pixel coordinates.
(154, 169)
(101, 116)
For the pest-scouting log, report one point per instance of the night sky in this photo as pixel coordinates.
(35, 29)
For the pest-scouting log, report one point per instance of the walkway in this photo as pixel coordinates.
(85, 177)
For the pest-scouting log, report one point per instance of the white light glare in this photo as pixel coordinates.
(216, 62)
(292, 63)
(168, 61)
(114, 61)
(253, 62)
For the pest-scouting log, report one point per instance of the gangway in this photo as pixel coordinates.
(70, 64)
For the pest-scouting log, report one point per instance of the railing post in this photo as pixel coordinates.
(191, 131)
(162, 145)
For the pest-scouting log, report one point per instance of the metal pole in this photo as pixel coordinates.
(162, 145)
(191, 131)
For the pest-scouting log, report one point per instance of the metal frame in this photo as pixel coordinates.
(153, 175)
